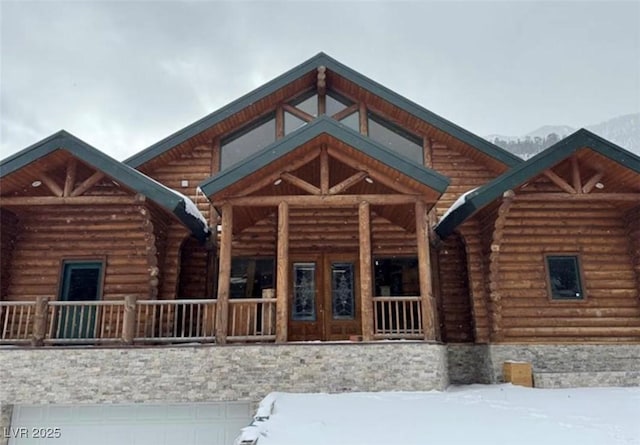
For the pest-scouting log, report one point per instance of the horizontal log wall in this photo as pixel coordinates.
(457, 318)
(610, 311)
(477, 270)
(463, 173)
(193, 167)
(170, 264)
(632, 223)
(8, 233)
(52, 234)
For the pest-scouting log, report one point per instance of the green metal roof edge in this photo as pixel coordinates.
(158, 193)
(306, 133)
(486, 194)
(270, 87)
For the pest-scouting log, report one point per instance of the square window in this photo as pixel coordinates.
(563, 272)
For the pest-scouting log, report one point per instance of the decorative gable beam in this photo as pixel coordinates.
(51, 184)
(300, 183)
(88, 183)
(70, 178)
(591, 183)
(557, 180)
(575, 174)
(350, 181)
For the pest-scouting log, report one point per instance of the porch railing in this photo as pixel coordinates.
(252, 319)
(131, 321)
(175, 320)
(16, 321)
(127, 321)
(84, 322)
(397, 317)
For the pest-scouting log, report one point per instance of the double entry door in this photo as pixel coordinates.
(324, 299)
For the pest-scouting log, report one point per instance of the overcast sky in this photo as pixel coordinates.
(124, 74)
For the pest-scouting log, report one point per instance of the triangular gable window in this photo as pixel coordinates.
(304, 109)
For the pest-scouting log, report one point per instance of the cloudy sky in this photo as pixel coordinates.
(124, 74)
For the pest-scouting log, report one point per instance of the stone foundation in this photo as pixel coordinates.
(553, 365)
(216, 373)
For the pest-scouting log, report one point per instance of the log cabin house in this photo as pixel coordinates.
(321, 206)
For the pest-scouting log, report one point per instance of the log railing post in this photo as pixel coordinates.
(366, 289)
(224, 274)
(129, 319)
(40, 321)
(282, 274)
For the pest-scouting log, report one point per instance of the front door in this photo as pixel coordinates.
(324, 300)
(80, 282)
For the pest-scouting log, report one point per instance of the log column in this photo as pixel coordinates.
(366, 289)
(282, 274)
(429, 307)
(224, 274)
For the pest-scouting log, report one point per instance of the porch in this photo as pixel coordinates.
(129, 321)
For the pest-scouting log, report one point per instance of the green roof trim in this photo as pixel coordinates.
(168, 199)
(324, 125)
(486, 194)
(333, 65)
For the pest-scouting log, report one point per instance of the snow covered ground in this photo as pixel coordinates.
(470, 415)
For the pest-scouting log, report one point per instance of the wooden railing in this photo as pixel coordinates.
(85, 321)
(252, 319)
(16, 321)
(397, 317)
(175, 320)
(127, 321)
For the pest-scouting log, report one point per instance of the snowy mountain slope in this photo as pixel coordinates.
(621, 130)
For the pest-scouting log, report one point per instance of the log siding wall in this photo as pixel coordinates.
(9, 232)
(598, 235)
(52, 234)
(632, 223)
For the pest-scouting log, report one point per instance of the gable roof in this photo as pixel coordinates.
(333, 65)
(323, 124)
(482, 196)
(174, 202)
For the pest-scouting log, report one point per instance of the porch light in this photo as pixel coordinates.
(369, 180)
(277, 181)
(599, 185)
(36, 183)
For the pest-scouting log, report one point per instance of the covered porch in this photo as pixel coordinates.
(323, 236)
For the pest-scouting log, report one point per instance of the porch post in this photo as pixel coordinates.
(366, 290)
(282, 273)
(429, 325)
(224, 274)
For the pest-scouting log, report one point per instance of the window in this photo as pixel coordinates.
(563, 272)
(250, 277)
(396, 277)
(247, 141)
(395, 138)
(352, 121)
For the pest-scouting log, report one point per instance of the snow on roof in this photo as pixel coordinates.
(461, 200)
(476, 414)
(189, 206)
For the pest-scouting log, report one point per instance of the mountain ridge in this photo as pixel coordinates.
(621, 130)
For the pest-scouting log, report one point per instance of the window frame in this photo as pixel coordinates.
(236, 134)
(82, 260)
(580, 277)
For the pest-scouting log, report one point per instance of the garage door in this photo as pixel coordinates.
(139, 424)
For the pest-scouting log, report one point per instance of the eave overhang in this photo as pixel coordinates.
(485, 195)
(166, 198)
